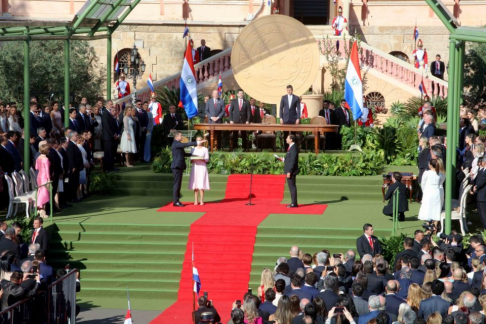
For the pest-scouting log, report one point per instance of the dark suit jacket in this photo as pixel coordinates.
(108, 125)
(433, 304)
(201, 112)
(428, 131)
(268, 307)
(65, 161)
(170, 122)
(81, 121)
(46, 122)
(294, 264)
(423, 163)
(404, 285)
(291, 164)
(6, 161)
(332, 116)
(417, 277)
(74, 157)
(204, 54)
(289, 112)
(311, 290)
(178, 154)
(477, 279)
(56, 167)
(417, 247)
(200, 310)
(15, 155)
(238, 116)
(439, 73)
(361, 305)
(47, 273)
(42, 238)
(363, 246)
(256, 117)
(402, 198)
(481, 186)
(376, 285)
(409, 253)
(458, 287)
(12, 247)
(213, 110)
(35, 122)
(393, 303)
(329, 298)
(300, 293)
(74, 126)
(341, 117)
(142, 118)
(368, 317)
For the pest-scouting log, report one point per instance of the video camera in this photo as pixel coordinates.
(429, 226)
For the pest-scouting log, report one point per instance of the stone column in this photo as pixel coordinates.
(346, 4)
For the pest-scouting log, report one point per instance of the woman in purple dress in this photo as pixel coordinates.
(42, 166)
(199, 179)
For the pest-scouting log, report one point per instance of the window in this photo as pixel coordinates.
(124, 60)
(375, 101)
(401, 56)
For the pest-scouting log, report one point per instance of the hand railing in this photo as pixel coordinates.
(395, 211)
(51, 202)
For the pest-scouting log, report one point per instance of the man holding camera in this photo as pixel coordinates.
(14, 292)
(397, 184)
(205, 306)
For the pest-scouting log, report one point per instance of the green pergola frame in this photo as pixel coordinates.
(97, 19)
(457, 38)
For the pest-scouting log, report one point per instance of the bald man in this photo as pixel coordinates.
(294, 262)
(458, 286)
(392, 302)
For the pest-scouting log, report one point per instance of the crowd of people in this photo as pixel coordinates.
(428, 282)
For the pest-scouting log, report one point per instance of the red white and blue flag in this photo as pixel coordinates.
(150, 83)
(353, 88)
(220, 85)
(415, 33)
(117, 65)
(188, 85)
(186, 32)
(196, 279)
(422, 88)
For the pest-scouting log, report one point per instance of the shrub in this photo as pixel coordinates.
(103, 183)
(391, 246)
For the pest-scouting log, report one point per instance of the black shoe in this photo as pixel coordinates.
(178, 204)
(292, 206)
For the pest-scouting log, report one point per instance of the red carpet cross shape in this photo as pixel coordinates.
(224, 239)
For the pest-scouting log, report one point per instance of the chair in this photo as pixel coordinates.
(26, 179)
(317, 120)
(33, 179)
(19, 183)
(15, 201)
(98, 156)
(270, 135)
(461, 214)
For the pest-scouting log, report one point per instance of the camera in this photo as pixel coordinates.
(336, 255)
(429, 226)
(449, 238)
(206, 317)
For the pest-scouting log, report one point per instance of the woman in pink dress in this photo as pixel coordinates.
(42, 166)
(199, 179)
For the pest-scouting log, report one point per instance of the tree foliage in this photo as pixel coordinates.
(47, 71)
(474, 67)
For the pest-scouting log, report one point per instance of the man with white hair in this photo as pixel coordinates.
(405, 275)
(349, 260)
(299, 318)
(374, 305)
(26, 266)
(321, 263)
(32, 249)
(294, 262)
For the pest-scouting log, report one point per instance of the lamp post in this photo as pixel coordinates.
(135, 70)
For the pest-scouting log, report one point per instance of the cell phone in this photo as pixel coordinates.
(34, 269)
(238, 303)
(336, 255)
(338, 310)
(250, 291)
(206, 294)
(330, 268)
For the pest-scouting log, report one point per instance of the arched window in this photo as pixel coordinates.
(124, 60)
(401, 56)
(375, 100)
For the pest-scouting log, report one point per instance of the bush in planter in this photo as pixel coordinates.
(102, 183)
(391, 246)
(161, 163)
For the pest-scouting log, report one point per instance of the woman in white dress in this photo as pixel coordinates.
(127, 144)
(13, 120)
(199, 179)
(441, 185)
(431, 200)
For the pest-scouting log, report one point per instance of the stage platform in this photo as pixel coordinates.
(123, 240)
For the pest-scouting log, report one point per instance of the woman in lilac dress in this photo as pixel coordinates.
(199, 179)
(42, 165)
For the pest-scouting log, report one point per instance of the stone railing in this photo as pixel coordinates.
(395, 68)
(205, 71)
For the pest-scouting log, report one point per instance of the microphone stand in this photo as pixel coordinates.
(251, 183)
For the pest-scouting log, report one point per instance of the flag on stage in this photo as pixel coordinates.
(186, 32)
(415, 33)
(117, 65)
(195, 278)
(422, 88)
(220, 85)
(150, 83)
(353, 89)
(188, 85)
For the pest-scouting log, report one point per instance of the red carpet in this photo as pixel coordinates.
(223, 240)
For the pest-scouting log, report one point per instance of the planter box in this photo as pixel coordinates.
(314, 104)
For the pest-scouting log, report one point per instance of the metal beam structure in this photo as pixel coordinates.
(67, 80)
(457, 38)
(26, 111)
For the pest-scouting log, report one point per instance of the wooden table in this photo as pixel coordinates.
(314, 128)
(407, 179)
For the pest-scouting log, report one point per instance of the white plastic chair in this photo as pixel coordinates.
(461, 215)
(33, 179)
(19, 183)
(26, 179)
(16, 201)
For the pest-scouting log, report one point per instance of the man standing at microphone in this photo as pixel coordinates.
(291, 169)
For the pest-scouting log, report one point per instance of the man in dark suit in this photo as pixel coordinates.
(45, 269)
(240, 113)
(109, 136)
(267, 307)
(434, 303)
(178, 165)
(6, 159)
(73, 122)
(392, 301)
(256, 117)
(201, 110)
(55, 168)
(41, 136)
(40, 235)
(309, 284)
(407, 245)
(458, 286)
(418, 235)
(31, 144)
(64, 196)
(291, 168)
(172, 121)
(203, 51)
(143, 120)
(328, 294)
(417, 275)
(402, 197)
(289, 109)
(12, 149)
(75, 166)
(296, 283)
(7, 244)
(480, 190)
(35, 120)
(294, 262)
(376, 285)
(46, 120)
(367, 243)
(81, 119)
(343, 118)
(215, 109)
(205, 307)
(437, 68)
(330, 116)
(360, 304)
(427, 129)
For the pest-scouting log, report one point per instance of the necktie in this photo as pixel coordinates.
(327, 117)
(34, 236)
(288, 148)
(172, 115)
(214, 103)
(253, 111)
(437, 69)
(75, 124)
(239, 104)
(371, 242)
(261, 113)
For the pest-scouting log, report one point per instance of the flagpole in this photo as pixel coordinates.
(193, 283)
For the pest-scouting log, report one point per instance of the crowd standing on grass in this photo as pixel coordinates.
(433, 280)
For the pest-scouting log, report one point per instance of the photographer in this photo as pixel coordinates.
(14, 292)
(396, 179)
(452, 244)
(205, 306)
